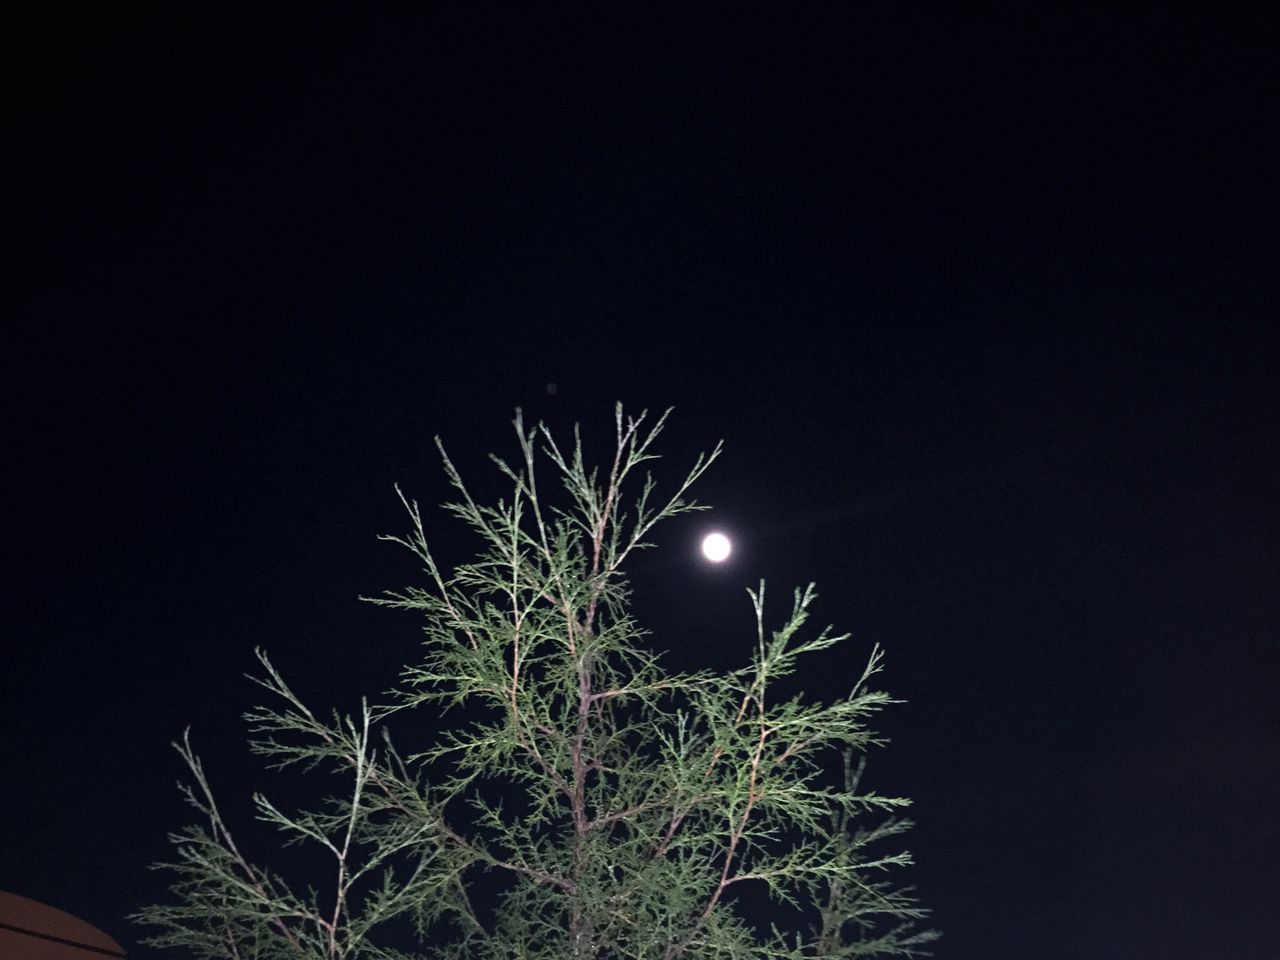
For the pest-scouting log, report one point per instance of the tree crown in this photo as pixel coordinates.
(626, 809)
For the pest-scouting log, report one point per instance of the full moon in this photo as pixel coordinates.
(716, 547)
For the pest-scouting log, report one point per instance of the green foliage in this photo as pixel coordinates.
(624, 808)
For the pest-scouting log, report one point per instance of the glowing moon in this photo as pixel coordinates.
(716, 547)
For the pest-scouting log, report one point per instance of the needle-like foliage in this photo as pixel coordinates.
(586, 803)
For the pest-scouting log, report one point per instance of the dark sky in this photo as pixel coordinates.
(982, 308)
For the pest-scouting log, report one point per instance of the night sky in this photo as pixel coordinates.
(981, 307)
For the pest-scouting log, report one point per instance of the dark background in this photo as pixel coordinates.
(980, 304)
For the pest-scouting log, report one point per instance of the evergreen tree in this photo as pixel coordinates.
(623, 808)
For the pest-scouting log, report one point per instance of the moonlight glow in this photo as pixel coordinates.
(716, 547)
